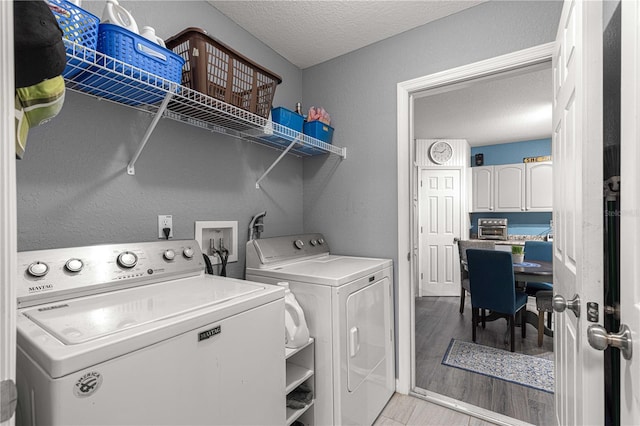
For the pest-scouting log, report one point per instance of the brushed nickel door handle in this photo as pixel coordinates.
(559, 304)
(600, 339)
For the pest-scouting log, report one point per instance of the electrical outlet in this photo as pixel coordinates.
(165, 221)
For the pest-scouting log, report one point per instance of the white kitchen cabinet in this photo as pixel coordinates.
(539, 182)
(520, 187)
(509, 187)
(482, 189)
(301, 369)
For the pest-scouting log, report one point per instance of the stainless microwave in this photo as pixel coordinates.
(492, 229)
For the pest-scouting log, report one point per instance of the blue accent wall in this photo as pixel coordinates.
(510, 153)
(525, 223)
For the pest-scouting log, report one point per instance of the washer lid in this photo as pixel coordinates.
(330, 270)
(81, 320)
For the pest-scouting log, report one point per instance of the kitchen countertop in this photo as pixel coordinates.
(515, 239)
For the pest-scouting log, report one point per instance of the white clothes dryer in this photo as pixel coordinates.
(348, 305)
(136, 334)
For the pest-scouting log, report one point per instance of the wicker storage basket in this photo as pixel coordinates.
(222, 73)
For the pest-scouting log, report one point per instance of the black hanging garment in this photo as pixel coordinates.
(39, 58)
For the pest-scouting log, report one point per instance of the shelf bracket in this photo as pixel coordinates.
(131, 166)
(282, 154)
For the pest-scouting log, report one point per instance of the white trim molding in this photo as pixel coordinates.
(406, 90)
(8, 220)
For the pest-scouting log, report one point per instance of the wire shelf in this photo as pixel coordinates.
(108, 78)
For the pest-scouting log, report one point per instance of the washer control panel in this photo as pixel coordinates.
(55, 274)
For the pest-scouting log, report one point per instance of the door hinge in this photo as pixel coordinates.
(421, 275)
(8, 399)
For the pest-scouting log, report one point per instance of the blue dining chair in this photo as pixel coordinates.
(493, 287)
(463, 246)
(538, 250)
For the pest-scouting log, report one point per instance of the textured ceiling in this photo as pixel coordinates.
(307, 33)
(515, 108)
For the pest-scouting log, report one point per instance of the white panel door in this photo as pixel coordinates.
(440, 222)
(482, 192)
(577, 202)
(630, 206)
(539, 181)
(509, 187)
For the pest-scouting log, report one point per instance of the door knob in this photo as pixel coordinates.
(559, 304)
(600, 339)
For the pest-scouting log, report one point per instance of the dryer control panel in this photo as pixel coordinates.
(49, 275)
(267, 251)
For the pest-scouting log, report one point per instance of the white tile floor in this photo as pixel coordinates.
(403, 410)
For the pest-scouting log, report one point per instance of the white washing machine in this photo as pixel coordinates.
(348, 305)
(136, 334)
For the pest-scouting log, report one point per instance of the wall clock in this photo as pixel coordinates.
(440, 152)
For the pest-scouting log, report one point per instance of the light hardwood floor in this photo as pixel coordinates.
(404, 410)
(437, 322)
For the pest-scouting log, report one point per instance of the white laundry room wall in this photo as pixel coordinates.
(73, 188)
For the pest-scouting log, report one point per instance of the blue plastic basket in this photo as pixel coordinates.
(293, 122)
(137, 59)
(78, 26)
(317, 130)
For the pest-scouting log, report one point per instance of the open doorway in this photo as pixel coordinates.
(508, 117)
(436, 322)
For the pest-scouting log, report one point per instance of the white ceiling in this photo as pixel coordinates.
(307, 33)
(498, 110)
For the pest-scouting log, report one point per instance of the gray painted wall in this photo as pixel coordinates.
(73, 188)
(355, 203)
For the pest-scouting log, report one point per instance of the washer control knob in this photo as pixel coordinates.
(321, 241)
(127, 259)
(299, 244)
(169, 254)
(74, 265)
(188, 252)
(38, 269)
(313, 243)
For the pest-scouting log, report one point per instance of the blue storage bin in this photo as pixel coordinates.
(287, 118)
(319, 130)
(78, 26)
(148, 61)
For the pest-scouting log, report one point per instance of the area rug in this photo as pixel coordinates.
(525, 370)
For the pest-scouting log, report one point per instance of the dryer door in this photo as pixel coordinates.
(368, 325)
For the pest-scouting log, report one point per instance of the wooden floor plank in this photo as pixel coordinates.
(438, 320)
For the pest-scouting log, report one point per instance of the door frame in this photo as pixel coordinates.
(8, 219)
(630, 205)
(407, 243)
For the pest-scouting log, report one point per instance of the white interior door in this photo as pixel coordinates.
(630, 208)
(7, 210)
(439, 200)
(577, 203)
